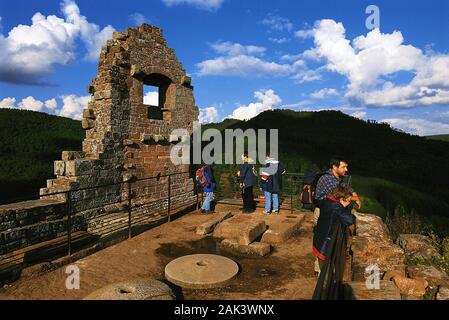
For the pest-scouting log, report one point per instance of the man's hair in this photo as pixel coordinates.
(245, 154)
(335, 161)
(341, 193)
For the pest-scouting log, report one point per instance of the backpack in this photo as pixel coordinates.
(310, 183)
(201, 178)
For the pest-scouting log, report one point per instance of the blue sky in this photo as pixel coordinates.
(244, 56)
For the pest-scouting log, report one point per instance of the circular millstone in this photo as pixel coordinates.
(201, 271)
(139, 289)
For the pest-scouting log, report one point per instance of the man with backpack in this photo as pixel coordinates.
(326, 182)
(205, 178)
(247, 181)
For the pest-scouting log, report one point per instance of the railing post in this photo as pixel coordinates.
(69, 223)
(169, 197)
(291, 203)
(129, 210)
(197, 196)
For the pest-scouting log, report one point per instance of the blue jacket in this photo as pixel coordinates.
(331, 212)
(247, 175)
(209, 175)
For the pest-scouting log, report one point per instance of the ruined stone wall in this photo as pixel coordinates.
(126, 140)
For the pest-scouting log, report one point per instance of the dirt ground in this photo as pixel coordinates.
(286, 273)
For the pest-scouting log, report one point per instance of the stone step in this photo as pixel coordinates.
(281, 227)
(255, 249)
(209, 226)
(242, 228)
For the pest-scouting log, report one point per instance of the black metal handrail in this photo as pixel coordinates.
(170, 199)
(330, 281)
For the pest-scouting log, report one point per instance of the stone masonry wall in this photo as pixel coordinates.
(124, 142)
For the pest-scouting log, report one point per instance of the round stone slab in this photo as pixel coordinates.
(201, 271)
(139, 289)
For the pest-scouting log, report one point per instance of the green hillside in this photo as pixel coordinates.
(29, 144)
(441, 137)
(391, 169)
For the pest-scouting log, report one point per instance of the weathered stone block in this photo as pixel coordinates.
(434, 276)
(119, 36)
(371, 227)
(59, 168)
(209, 226)
(417, 245)
(72, 155)
(101, 95)
(389, 275)
(255, 249)
(359, 291)
(87, 123)
(280, 231)
(411, 287)
(88, 113)
(243, 228)
(443, 293)
(128, 142)
(385, 255)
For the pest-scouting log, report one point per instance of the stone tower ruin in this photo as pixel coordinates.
(127, 140)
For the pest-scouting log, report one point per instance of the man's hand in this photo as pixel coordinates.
(242, 185)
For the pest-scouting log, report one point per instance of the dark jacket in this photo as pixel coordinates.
(331, 212)
(209, 175)
(274, 182)
(247, 174)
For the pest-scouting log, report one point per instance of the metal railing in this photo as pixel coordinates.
(292, 185)
(330, 281)
(137, 207)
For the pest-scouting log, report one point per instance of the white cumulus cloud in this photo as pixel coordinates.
(235, 49)
(359, 114)
(151, 98)
(208, 115)
(324, 93)
(267, 100)
(242, 65)
(368, 62)
(240, 60)
(8, 103)
(73, 106)
(30, 103)
(30, 52)
(51, 104)
(200, 4)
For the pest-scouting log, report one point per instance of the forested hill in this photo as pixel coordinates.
(389, 166)
(29, 144)
(374, 150)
